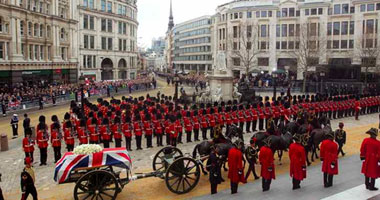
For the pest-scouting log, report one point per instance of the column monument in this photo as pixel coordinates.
(221, 79)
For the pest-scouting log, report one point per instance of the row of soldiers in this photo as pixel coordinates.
(112, 121)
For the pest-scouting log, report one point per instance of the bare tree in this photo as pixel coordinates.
(309, 46)
(243, 44)
(368, 51)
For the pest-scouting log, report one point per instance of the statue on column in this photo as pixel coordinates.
(205, 96)
(221, 62)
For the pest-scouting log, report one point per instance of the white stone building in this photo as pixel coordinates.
(37, 41)
(342, 25)
(107, 37)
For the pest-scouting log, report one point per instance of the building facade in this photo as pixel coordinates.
(37, 41)
(340, 30)
(107, 36)
(192, 45)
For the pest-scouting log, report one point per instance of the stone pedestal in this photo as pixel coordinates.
(225, 81)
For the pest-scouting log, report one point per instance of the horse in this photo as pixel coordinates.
(316, 137)
(278, 143)
(234, 131)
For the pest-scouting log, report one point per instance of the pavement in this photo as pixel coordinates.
(154, 188)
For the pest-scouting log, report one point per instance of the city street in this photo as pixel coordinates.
(155, 188)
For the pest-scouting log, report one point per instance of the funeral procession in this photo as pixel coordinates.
(178, 100)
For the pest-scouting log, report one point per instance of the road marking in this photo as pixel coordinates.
(357, 193)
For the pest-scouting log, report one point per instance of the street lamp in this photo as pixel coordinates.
(274, 77)
(322, 75)
(81, 83)
(176, 81)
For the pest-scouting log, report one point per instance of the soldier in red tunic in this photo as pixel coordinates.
(82, 134)
(158, 129)
(254, 117)
(138, 132)
(94, 135)
(42, 139)
(196, 125)
(127, 131)
(56, 137)
(266, 160)
(235, 167)
(370, 153)
(248, 118)
(28, 144)
(357, 109)
(297, 158)
(69, 136)
(115, 131)
(329, 157)
(104, 133)
(148, 131)
(188, 126)
(179, 128)
(204, 125)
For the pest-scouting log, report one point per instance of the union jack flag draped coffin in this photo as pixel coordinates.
(108, 157)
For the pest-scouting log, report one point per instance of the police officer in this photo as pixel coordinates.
(213, 166)
(251, 155)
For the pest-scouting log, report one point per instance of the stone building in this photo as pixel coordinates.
(37, 41)
(338, 29)
(107, 32)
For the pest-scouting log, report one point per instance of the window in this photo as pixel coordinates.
(109, 25)
(344, 28)
(378, 6)
(104, 43)
(109, 7)
(92, 42)
(249, 14)
(291, 30)
(336, 28)
(352, 9)
(36, 30)
(240, 15)
(109, 43)
(329, 11)
(345, 8)
(278, 14)
(320, 11)
(329, 44)
(329, 28)
(297, 30)
(291, 45)
(313, 29)
(42, 49)
(104, 24)
(92, 24)
(270, 13)
(85, 3)
(249, 45)
(235, 46)
(314, 11)
(278, 30)
(352, 27)
(258, 14)
(42, 30)
(307, 12)
(291, 12)
(263, 61)
(103, 5)
(284, 30)
(351, 44)
(278, 45)
(21, 28)
(370, 26)
(337, 10)
(284, 45)
(2, 52)
(236, 61)
(336, 44)
(343, 44)
(36, 47)
(91, 4)
(298, 13)
(249, 31)
(235, 29)
(62, 34)
(31, 52)
(85, 21)
(48, 31)
(362, 8)
(63, 53)
(263, 13)
(370, 7)
(236, 15)
(85, 41)
(263, 31)
(284, 12)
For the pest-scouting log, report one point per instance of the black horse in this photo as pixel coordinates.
(316, 137)
(278, 143)
(234, 131)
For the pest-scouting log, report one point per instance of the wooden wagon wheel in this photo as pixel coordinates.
(96, 185)
(159, 162)
(182, 175)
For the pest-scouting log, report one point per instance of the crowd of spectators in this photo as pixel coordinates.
(11, 97)
(265, 80)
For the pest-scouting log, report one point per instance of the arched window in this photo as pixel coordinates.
(1, 25)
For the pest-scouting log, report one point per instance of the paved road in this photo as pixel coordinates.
(311, 189)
